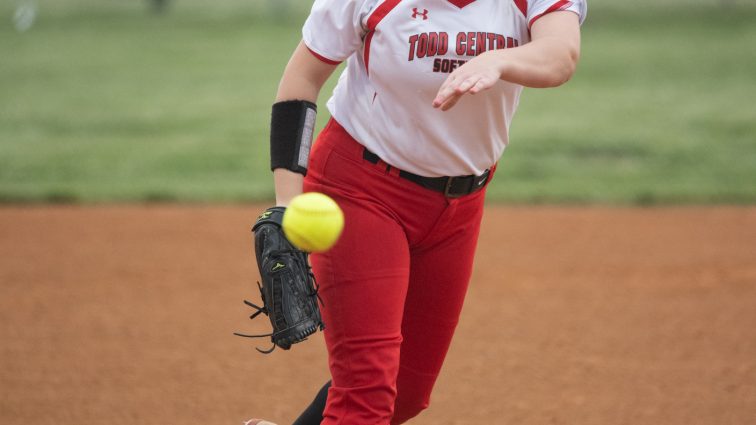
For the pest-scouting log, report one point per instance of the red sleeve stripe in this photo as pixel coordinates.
(372, 22)
(560, 5)
(523, 6)
(323, 58)
(380, 13)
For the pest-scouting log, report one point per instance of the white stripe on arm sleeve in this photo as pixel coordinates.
(538, 8)
(335, 28)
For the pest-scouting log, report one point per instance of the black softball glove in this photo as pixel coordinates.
(289, 291)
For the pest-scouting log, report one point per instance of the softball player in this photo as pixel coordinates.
(420, 116)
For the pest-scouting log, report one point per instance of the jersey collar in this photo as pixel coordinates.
(461, 3)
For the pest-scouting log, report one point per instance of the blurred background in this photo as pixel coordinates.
(129, 100)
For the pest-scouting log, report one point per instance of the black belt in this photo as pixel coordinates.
(451, 187)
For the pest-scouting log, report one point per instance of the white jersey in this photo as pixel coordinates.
(398, 54)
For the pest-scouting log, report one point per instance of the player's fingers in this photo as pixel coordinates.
(452, 89)
(454, 76)
(451, 102)
(448, 88)
(438, 101)
(479, 86)
(450, 99)
(442, 96)
(466, 85)
(451, 81)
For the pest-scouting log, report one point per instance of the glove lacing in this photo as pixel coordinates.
(264, 310)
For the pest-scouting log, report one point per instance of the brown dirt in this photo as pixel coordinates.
(124, 315)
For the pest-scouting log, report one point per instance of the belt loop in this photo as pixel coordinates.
(370, 156)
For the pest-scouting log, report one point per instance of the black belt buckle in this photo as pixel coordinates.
(475, 184)
(447, 189)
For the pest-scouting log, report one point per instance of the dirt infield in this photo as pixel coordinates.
(124, 315)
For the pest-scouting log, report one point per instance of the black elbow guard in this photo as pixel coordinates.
(291, 128)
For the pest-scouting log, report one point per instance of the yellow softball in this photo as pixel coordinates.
(313, 222)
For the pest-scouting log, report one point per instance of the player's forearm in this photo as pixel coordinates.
(295, 85)
(550, 59)
(288, 184)
(546, 62)
(302, 79)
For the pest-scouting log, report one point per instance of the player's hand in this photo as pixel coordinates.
(477, 75)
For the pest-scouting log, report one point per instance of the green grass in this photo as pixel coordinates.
(101, 101)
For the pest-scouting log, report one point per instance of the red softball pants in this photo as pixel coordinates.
(392, 286)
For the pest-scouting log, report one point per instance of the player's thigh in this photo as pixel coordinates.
(439, 277)
(363, 281)
(363, 278)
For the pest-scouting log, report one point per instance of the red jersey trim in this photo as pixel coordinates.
(372, 22)
(322, 58)
(461, 3)
(560, 5)
(523, 6)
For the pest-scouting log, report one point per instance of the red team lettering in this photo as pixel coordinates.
(430, 44)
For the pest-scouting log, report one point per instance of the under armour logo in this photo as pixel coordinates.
(415, 13)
